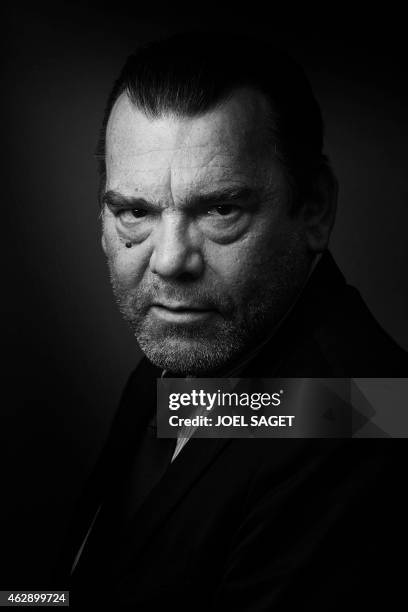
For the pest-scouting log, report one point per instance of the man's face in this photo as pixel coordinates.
(216, 260)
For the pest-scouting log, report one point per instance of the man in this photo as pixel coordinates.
(217, 207)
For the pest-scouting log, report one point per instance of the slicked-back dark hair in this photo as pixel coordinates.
(190, 74)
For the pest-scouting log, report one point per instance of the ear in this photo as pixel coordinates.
(319, 210)
(103, 242)
(102, 219)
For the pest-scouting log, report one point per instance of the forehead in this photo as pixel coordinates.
(227, 144)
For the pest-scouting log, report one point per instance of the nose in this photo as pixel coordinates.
(176, 249)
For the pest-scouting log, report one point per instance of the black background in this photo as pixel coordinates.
(67, 353)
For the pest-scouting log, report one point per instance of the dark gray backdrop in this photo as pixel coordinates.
(67, 351)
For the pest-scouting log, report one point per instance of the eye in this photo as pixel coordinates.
(223, 210)
(128, 217)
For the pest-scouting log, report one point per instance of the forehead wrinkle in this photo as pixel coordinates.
(174, 184)
(229, 148)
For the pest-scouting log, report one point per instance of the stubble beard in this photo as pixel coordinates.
(206, 348)
(195, 349)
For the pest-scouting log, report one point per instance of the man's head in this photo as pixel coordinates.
(216, 196)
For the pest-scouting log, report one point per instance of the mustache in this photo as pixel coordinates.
(144, 296)
(203, 299)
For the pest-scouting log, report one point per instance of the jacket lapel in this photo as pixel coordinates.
(181, 475)
(129, 423)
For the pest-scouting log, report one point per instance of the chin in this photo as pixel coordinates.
(184, 356)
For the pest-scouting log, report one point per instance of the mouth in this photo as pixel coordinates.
(181, 313)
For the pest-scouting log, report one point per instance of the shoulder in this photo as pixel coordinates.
(354, 344)
(333, 333)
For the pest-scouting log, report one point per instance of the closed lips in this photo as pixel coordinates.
(182, 307)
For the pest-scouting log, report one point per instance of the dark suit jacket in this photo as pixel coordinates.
(258, 524)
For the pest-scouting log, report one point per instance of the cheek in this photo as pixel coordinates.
(127, 265)
(248, 266)
(237, 266)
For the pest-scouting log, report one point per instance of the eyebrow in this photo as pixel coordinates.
(116, 201)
